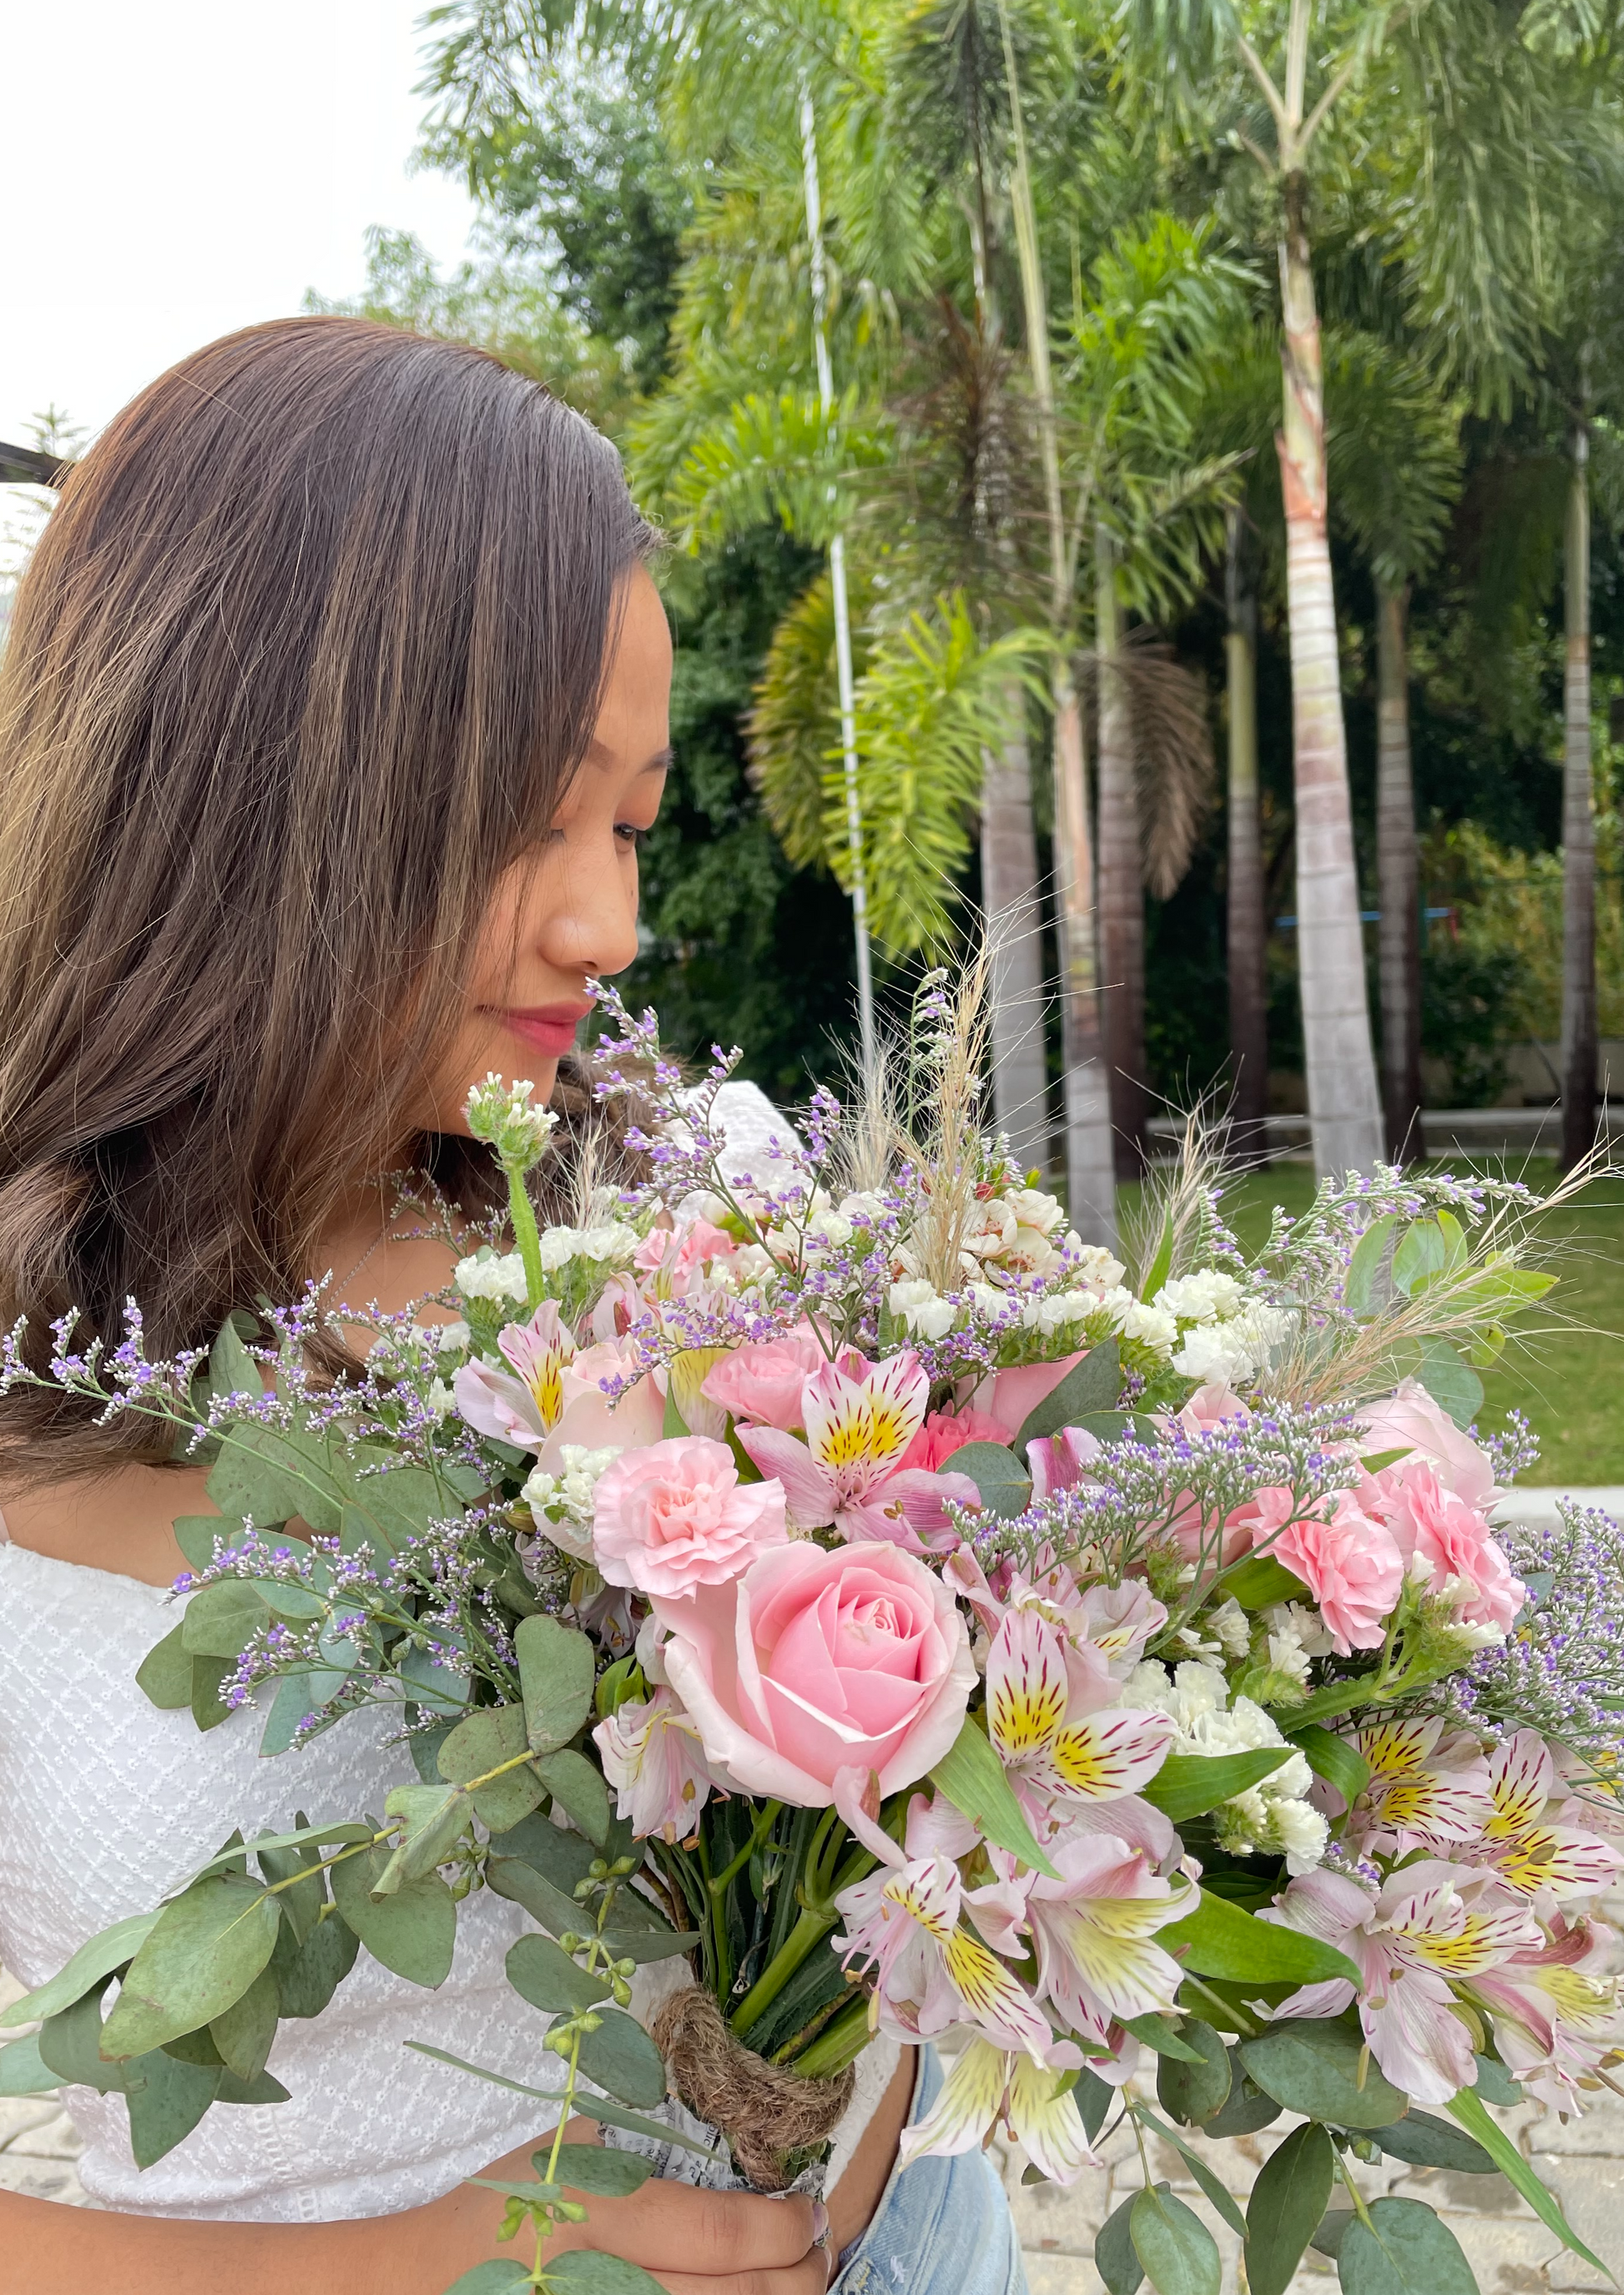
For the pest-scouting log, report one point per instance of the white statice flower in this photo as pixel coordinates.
(927, 1315)
(1207, 1297)
(1207, 1724)
(561, 1505)
(492, 1275)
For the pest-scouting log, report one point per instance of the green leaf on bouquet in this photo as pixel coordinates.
(265, 2089)
(621, 2058)
(274, 1474)
(436, 1817)
(1469, 2108)
(308, 1974)
(1092, 1385)
(386, 1510)
(593, 2107)
(578, 1787)
(522, 1884)
(1287, 2202)
(501, 2277)
(1333, 2229)
(1193, 2091)
(1179, 2254)
(584, 2271)
(1428, 2143)
(1421, 1252)
(1403, 2249)
(165, 1674)
(1313, 2065)
(971, 1776)
(1159, 2034)
(493, 1734)
(243, 2034)
(1114, 2256)
(413, 1931)
(591, 2168)
(222, 1618)
(1217, 2196)
(1333, 1758)
(1219, 1938)
(231, 1368)
(70, 2043)
(1247, 2109)
(1162, 1266)
(93, 1964)
(208, 1678)
(198, 1534)
(1259, 1582)
(1495, 2084)
(1451, 1381)
(282, 1864)
(555, 1674)
(166, 2100)
(1004, 1483)
(209, 1945)
(543, 1973)
(233, 1858)
(1188, 1784)
(23, 2071)
(434, 1687)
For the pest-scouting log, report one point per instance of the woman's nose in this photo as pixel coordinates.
(590, 915)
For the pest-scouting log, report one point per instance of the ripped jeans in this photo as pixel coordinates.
(943, 2227)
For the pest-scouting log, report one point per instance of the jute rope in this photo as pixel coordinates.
(765, 2110)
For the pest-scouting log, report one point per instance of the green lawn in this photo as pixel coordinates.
(1569, 1383)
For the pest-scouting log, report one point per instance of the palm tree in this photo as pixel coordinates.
(1247, 928)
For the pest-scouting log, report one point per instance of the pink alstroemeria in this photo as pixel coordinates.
(557, 1394)
(1434, 1925)
(1058, 1757)
(1059, 1462)
(652, 1756)
(859, 1419)
(1426, 1790)
(1095, 1926)
(930, 1972)
(1558, 2014)
(986, 2086)
(1531, 1841)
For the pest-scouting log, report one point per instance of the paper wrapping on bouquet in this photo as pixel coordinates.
(766, 2114)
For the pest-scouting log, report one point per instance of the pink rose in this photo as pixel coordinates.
(942, 1434)
(1352, 1569)
(1212, 1405)
(815, 1661)
(762, 1384)
(1431, 1525)
(676, 1515)
(1411, 1420)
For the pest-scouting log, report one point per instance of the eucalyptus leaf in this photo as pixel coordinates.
(1189, 1784)
(1420, 1252)
(584, 2271)
(308, 1974)
(1159, 2033)
(243, 2034)
(166, 2100)
(597, 2108)
(522, 1884)
(555, 1673)
(434, 1687)
(70, 2043)
(488, 1737)
(436, 1817)
(1361, 1290)
(413, 1931)
(1179, 2254)
(1287, 2202)
(386, 1511)
(1114, 2254)
(1403, 2249)
(231, 1368)
(266, 2088)
(209, 1945)
(92, 1964)
(1429, 2143)
(1312, 2065)
(1216, 2195)
(1333, 2229)
(971, 1776)
(503, 2276)
(208, 1678)
(542, 1973)
(198, 1535)
(1004, 1483)
(577, 1786)
(1223, 1940)
(620, 2058)
(165, 1674)
(275, 1474)
(1092, 1385)
(302, 1902)
(1247, 2110)
(222, 1618)
(23, 2071)
(1450, 1381)
(591, 2168)
(1493, 2083)
(1194, 2092)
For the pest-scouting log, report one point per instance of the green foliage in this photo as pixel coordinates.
(1287, 2202)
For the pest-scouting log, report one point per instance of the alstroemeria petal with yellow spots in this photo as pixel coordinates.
(967, 2109)
(1521, 1775)
(1408, 1791)
(857, 1429)
(1106, 1755)
(1041, 2109)
(538, 1351)
(1440, 1926)
(1027, 1693)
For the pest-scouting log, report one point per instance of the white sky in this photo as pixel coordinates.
(172, 170)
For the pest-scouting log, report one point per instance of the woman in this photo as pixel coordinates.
(334, 706)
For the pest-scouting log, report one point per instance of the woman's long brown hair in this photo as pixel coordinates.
(307, 655)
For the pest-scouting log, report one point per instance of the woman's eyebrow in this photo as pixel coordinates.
(599, 754)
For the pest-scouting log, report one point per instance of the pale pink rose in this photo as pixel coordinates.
(675, 1256)
(1409, 1419)
(1351, 1568)
(676, 1515)
(944, 1432)
(762, 1385)
(1011, 1396)
(815, 1661)
(1212, 1405)
(1433, 1527)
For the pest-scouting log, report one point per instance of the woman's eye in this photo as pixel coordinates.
(629, 833)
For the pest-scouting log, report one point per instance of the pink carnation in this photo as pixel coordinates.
(943, 1432)
(816, 1661)
(676, 1515)
(762, 1385)
(1352, 1569)
(1431, 1525)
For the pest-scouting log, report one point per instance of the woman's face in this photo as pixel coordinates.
(566, 912)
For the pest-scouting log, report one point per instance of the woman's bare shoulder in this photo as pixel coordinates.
(121, 1521)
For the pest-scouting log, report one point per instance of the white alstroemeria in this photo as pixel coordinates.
(1207, 1297)
(491, 1275)
(919, 1304)
(984, 2085)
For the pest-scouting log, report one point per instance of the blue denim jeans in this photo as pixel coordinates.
(943, 2227)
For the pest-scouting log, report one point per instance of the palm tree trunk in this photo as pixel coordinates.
(1345, 1108)
(1579, 1024)
(1089, 1174)
(1121, 884)
(1009, 897)
(1398, 885)
(1248, 924)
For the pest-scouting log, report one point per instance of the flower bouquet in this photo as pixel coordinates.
(836, 1591)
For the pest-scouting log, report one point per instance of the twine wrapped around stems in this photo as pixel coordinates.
(766, 2111)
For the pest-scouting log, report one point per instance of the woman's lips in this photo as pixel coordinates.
(549, 1029)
